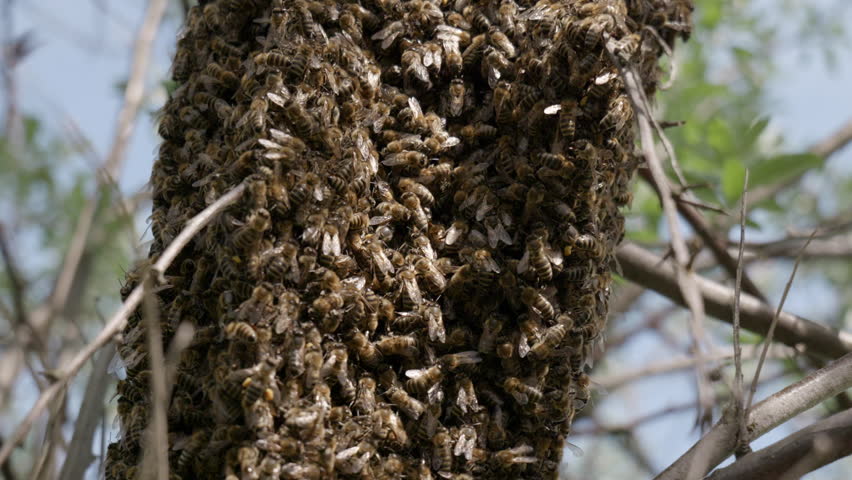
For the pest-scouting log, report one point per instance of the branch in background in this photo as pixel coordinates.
(685, 277)
(79, 455)
(799, 449)
(716, 243)
(720, 441)
(15, 282)
(825, 148)
(133, 96)
(739, 403)
(647, 269)
(117, 321)
(618, 380)
(772, 326)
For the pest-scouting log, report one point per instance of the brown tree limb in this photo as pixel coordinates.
(117, 322)
(797, 450)
(647, 269)
(720, 441)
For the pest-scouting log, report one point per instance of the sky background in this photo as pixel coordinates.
(82, 57)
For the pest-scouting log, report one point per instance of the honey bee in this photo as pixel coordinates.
(582, 392)
(405, 402)
(619, 114)
(590, 244)
(388, 425)
(228, 79)
(552, 337)
(418, 215)
(256, 115)
(456, 98)
(418, 189)
(520, 391)
(519, 455)
(365, 398)
(303, 123)
(536, 301)
(402, 345)
(422, 380)
(473, 53)
(248, 236)
(486, 268)
(452, 361)
(367, 352)
(313, 366)
(442, 458)
(241, 331)
(538, 259)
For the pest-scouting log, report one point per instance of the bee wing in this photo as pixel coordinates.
(524, 263)
(453, 234)
(269, 144)
(116, 367)
(575, 450)
(413, 290)
(380, 220)
(383, 262)
(414, 104)
(276, 99)
(493, 238)
(554, 255)
(523, 346)
(483, 209)
(436, 324)
(553, 109)
(331, 244)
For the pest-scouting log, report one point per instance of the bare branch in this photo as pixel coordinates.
(797, 450)
(117, 321)
(720, 441)
(647, 269)
(686, 281)
(739, 403)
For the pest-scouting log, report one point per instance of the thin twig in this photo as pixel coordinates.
(117, 321)
(739, 403)
(815, 339)
(16, 283)
(772, 326)
(720, 441)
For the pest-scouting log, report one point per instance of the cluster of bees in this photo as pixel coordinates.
(415, 278)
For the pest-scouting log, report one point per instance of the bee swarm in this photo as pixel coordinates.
(418, 272)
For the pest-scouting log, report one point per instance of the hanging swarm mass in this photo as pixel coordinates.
(415, 278)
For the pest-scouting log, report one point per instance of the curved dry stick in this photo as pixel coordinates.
(117, 321)
(720, 441)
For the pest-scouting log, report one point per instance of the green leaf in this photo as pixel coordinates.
(782, 167)
(733, 175)
(755, 129)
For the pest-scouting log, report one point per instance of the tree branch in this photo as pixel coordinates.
(649, 270)
(719, 442)
(117, 321)
(799, 449)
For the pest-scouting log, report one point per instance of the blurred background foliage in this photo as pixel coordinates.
(727, 81)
